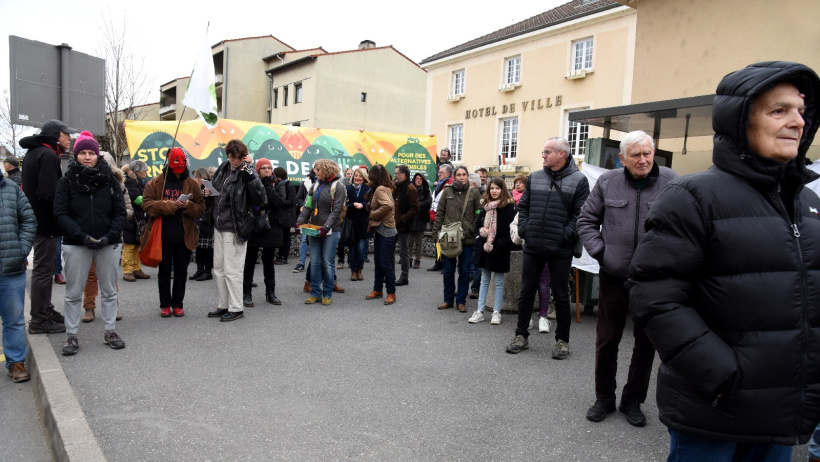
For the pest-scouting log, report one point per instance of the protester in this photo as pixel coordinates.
(726, 280)
(482, 173)
(239, 189)
(458, 204)
(445, 177)
(358, 214)
(289, 215)
(547, 214)
(135, 174)
(205, 243)
(475, 275)
(519, 184)
(18, 226)
(324, 206)
(444, 158)
(13, 173)
(383, 223)
(422, 219)
(39, 183)
(610, 226)
(301, 197)
(491, 250)
(406, 198)
(90, 209)
(266, 239)
(177, 198)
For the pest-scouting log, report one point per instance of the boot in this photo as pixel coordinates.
(247, 299)
(416, 263)
(306, 289)
(270, 292)
(206, 273)
(200, 268)
(354, 275)
(359, 275)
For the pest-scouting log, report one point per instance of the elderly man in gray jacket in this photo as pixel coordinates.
(610, 226)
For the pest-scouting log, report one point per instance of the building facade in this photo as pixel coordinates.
(494, 101)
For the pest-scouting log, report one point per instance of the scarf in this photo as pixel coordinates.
(490, 224)
(517, 196)
(88, 179)
(459, 186)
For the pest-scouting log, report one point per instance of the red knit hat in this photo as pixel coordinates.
(262, 162)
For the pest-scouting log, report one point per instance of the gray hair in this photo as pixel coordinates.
(447, 167)
(635, 137)
(475, 180)
(561, 144)
(138, 166)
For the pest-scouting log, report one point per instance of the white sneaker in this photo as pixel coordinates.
(532, 324)
(477, 317)
(543, 325)
(496, 318)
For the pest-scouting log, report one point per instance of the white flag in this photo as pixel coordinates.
(201, 92)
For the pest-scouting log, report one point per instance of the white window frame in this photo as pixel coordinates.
(508, 138)
(458, 82)
(582, 54)
(577, 134)
(512, 70)
(455, 139)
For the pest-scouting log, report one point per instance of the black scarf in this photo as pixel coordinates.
(88, 179)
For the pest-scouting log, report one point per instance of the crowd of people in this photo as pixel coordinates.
(720, 270)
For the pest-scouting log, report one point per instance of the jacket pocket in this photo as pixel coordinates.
(616, 211)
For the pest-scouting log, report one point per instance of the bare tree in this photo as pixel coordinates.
(9, 132)
(127, 87)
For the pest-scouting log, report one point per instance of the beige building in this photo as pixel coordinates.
(682, 53)
(114, 125)
(497, 99)
(371, 88)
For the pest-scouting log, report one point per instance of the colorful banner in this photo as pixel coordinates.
(293, 148)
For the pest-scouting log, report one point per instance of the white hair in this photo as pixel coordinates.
(635, 137)
(561, 144)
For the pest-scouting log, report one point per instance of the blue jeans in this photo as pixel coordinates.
(58, 268)
(686, 447)
(463, 262)
(357, 254)
(303, 250)
(12, 301)
(485, 287)
(814, 444)
(322, 264)
(385, 274)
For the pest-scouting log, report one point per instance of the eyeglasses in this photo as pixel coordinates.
(546, 153)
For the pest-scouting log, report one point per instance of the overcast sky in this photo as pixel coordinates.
(166, 33)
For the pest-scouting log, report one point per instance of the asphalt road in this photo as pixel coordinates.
(353, 381)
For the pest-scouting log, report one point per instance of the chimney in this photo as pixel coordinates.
(365, 44)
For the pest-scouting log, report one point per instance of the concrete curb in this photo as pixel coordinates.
(68, 435)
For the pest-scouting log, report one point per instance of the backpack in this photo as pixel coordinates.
(332, 198)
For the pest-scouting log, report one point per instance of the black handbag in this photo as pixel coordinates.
(261, 223)
(348, 236)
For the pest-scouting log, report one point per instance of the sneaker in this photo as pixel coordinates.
(633, 412)
(88, 316)
(600, 410)
(140, 274)
(179, 312)
(340, 265)
(326, 301)
(496, 318)
(477, 317)
(18, 373)
(519, 344)
(416, 263)
(71, 346)
(46, 327)
(311, 300)
(299, 268)
(129, 277)
(113, 340)
(532, 325)
(560, 350)
(165, 312)
(543, 325)
(57, 317)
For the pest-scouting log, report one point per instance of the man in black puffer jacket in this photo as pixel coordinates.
(726, 282)
(547, 213)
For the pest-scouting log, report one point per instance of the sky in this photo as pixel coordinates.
(165, 34)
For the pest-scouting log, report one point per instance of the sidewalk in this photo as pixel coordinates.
(353, 381)
(21, 430)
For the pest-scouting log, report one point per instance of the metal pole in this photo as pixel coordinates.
(65, 50)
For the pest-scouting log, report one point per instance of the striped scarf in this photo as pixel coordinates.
(490, 224)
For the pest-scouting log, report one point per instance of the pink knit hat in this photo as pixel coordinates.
(261, 162)
(86, 141)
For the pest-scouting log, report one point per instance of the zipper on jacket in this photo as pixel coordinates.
(92, 213)
(637, 220)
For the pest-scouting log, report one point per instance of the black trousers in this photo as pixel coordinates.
(613, 309)
(178, 256)
(268, 254)
(559, 286)
(284, 250)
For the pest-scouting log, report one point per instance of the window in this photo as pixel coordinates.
(582, 54)
(577, 135)
(285, 95)
(364, 97)
(456, 142)
(458, 82)
(512, 73)
(275, 98)
(297, 93)
(509, 137)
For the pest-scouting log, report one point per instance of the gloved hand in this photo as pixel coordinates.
(103, 242)
(322, 232)
(267, 181)
(246, 174)
(90, 242)
(138, 201)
